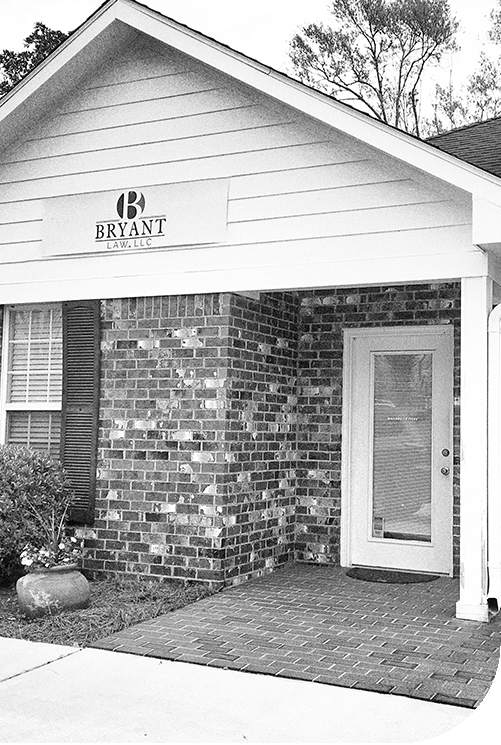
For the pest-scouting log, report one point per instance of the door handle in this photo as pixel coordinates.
(445, 471)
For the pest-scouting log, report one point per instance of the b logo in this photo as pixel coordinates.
(130, 204)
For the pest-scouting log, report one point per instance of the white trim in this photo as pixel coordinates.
(346, 430)
(4, 359)
(347, 459)
(476, 304)
(27, 406)
(198, 270)
(472, 612)
(422, 329)
(33, 406)
(494, 475)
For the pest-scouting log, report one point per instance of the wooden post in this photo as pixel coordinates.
(476, 304)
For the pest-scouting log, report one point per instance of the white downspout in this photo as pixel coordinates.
(494, 469)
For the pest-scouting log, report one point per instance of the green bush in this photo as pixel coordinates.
(29, 481)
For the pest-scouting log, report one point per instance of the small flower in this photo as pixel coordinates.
(66, 552)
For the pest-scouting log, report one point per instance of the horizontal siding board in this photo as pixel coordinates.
(214, 122)
(329, 200)
(378, 220)
(355, 170)
(20, 232)
(20, 252)
(140, 68)
(263, 138)
(344, 173)
(285, 181)
(130, 114)
(413, 242)
(21, 211)
(221, 166)
(176, 84)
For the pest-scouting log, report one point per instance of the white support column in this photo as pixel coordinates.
(494, 502)
(476, 304)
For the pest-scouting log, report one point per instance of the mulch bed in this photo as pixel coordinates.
(115, 604)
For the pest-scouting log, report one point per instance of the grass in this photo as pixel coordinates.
(115, 604)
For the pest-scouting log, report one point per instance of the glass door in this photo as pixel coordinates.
(399, 478)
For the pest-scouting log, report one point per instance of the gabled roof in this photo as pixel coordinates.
(478, 144)
(103, 33)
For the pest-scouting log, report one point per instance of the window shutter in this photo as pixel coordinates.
(80, 404)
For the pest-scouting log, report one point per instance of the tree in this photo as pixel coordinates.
(480, 97)
(38, 45)
(484, 89)
(375, 54)
(449, 111)
(494, 33)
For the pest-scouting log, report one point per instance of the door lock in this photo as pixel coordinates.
(446, 452)
(446, 471)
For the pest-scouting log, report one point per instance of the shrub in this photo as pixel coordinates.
(29, 481)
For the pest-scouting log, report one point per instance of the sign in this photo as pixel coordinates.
(132, 228)
(136, 219)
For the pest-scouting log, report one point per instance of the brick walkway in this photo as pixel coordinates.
(316, 624)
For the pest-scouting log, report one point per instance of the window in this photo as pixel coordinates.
(49, 389)
(31, 381)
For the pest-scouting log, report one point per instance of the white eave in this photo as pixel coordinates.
(484, 187)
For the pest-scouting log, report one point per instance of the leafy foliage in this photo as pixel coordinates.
(67, 550)
(32, 485)
(38, 45)
(375, 54)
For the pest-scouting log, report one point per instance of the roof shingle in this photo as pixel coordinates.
(478, 144)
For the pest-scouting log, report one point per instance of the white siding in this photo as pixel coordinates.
(158, 118)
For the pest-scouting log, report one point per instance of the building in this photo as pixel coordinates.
(256, 321)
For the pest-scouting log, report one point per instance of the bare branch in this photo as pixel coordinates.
(378, 51)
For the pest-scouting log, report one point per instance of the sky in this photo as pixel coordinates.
(260, 28)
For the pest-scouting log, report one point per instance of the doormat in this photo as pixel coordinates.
(388, 576)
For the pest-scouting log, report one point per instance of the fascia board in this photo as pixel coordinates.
(293, 93)
(43, 72)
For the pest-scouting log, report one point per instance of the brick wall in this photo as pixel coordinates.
(323, 316)
(197, 442)
(261, 434)
(163, 397)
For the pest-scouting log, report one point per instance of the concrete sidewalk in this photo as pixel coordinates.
(51, 693)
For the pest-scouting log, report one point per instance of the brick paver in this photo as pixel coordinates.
(315, 623)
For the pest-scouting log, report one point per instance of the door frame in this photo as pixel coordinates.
(350, 335)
